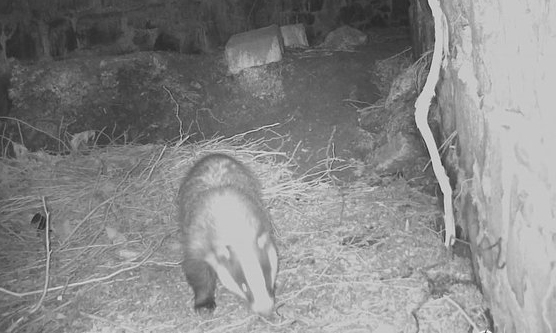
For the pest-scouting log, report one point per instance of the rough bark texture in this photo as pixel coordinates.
(497, 92)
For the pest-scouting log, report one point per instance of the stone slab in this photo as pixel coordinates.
(254, 48)
(294, 35)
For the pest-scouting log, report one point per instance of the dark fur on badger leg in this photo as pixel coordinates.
(202, 279)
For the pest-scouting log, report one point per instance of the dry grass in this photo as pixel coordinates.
(353, 259)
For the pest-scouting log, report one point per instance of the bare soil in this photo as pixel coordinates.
(314, 111)
(305, 99)
(153, 97)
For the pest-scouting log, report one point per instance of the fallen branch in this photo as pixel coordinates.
(422, 106)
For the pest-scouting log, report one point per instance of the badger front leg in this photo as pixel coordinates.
(202, 279)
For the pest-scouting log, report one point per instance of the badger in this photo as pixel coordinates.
(226, 234)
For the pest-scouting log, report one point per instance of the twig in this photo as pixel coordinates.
(177, 111)
(336, 284)
(251, 12)
(88, 216)
(15, 324)
(462, 311)
(330, 263)
(20, 133)
(4, 151)
(81, 283)
(398, 54)
(330, 149)
(293, 153)
(212, 115)
(60, 132)
(231, 326)
(442, 147)
(156, 162)
(342, 210)
(355, 101)
(36, 319)
(48, 253)
(241, 135)
(97, 137)
(548, 302)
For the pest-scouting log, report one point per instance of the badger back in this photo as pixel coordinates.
(219, 170)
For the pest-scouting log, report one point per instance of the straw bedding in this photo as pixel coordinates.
(352, 258)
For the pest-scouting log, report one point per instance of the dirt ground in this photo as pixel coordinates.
(313, 109)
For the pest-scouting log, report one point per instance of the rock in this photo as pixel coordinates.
(344, 38)
(399, 154)
(254, 48)
(294, 35)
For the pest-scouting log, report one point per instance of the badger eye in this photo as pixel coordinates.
(244, 287)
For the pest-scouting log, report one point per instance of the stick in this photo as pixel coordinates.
(422, 106)
(81, 283)
(156, 162)
(398, 54)
(47, 269)
(177, 112)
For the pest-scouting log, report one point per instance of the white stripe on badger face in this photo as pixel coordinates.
(273, 259)
(224, 276)
(235, 228)
(263, 302)
(272, 255)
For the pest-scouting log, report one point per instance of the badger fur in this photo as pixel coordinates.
(226, 234)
